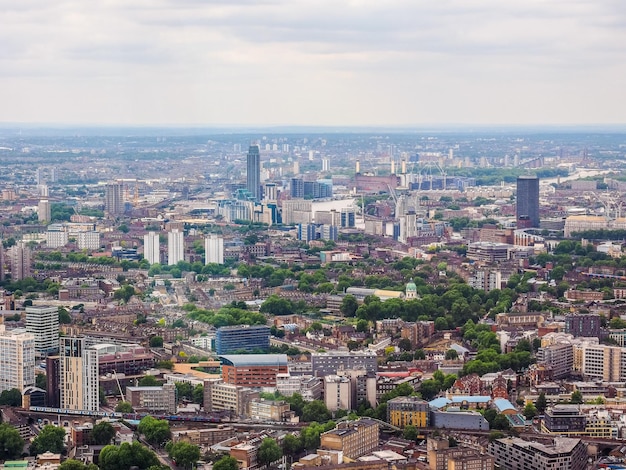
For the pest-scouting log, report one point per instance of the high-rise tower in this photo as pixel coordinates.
(151, 248)
(214, 249)
(175, 247)
(79, 375)
(114, 199)
(253, 172)
(527, 213)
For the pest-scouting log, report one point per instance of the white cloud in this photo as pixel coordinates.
(312, 61)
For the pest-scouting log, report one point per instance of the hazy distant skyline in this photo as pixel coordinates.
(313, 62)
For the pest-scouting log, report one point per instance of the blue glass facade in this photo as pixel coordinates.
(230, 339)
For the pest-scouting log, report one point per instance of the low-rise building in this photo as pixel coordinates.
(353, 438)
(153, 399)
(405, 411)
(563, 453)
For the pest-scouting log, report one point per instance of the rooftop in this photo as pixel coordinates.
(238, 360)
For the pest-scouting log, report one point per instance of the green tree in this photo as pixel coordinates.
(315, 411)
(451, 354)
(64, 316)
(501, 422)
(102, 433)
(349, 306)
(269, 451)
(226, 463)
(71, 464)
(577, 397)
(198, 394)
(541, 404)
(50, 439)
(148, 381)
(124, 407)
(409, 432)
(156, 342)
(183, 453)
(291, 445)
(11, 444)
(405, 344)
(530, 411)
(156, 431)
(127, 455)
(275, 305)
(12, 397)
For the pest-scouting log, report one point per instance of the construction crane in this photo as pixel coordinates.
(119, 386)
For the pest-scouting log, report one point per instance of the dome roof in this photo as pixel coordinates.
(411, 286)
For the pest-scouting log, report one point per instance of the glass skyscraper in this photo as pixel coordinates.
(528, 201)
(253, 172)
(230, 339)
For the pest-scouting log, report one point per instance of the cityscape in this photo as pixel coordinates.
(312, 235)
(422, 300)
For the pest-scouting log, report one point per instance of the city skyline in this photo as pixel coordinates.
(313, 63)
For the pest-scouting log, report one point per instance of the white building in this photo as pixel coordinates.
(88, 241)
(43, 322)
(78, 367)
(44, 211)
(151, 248)
(17, 359)
(214, 249)
(175, 247)
(56, 236)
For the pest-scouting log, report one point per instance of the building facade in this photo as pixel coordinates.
(563, 453)
(78, 375)
(152, 248)
(253, 172)
(353, 438)
(153, 399)
(229, 339)
(328, 363)
(43, 323)
(17, 359)
(214, 249)
(114, 199)
(175, 247)
(405, 411)
(527, 210)
(253, 370)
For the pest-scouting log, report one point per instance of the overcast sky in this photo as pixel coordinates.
(313, 62)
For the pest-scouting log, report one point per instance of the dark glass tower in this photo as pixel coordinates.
(527, 201)
(253, 172)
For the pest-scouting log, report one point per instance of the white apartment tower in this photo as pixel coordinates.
(214, 249)
(43, 211)
(78, 367)
(151, 248)
(17, 359)
(175, 247)
(43, 323)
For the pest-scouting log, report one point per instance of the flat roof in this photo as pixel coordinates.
(254, 359)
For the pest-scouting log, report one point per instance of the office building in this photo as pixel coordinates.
(253, 172)
(560, 357)
(587, 325)
(564, 419)
(348, 218)
(562, 453)
(88, 240)
(220, 396)
(527, 202)
(17, 359)
(353, 438)
(158, 399)
(443, 457)
(253, 370)
(338, 393)
(296, 188)
(175, 247)
(114, 199)
(43, 323)
(214, 249)
(329, 363)
(44, 213)
(152, 248)
(79, 375)
(603, 362)
(405, 411)
(229, 339)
